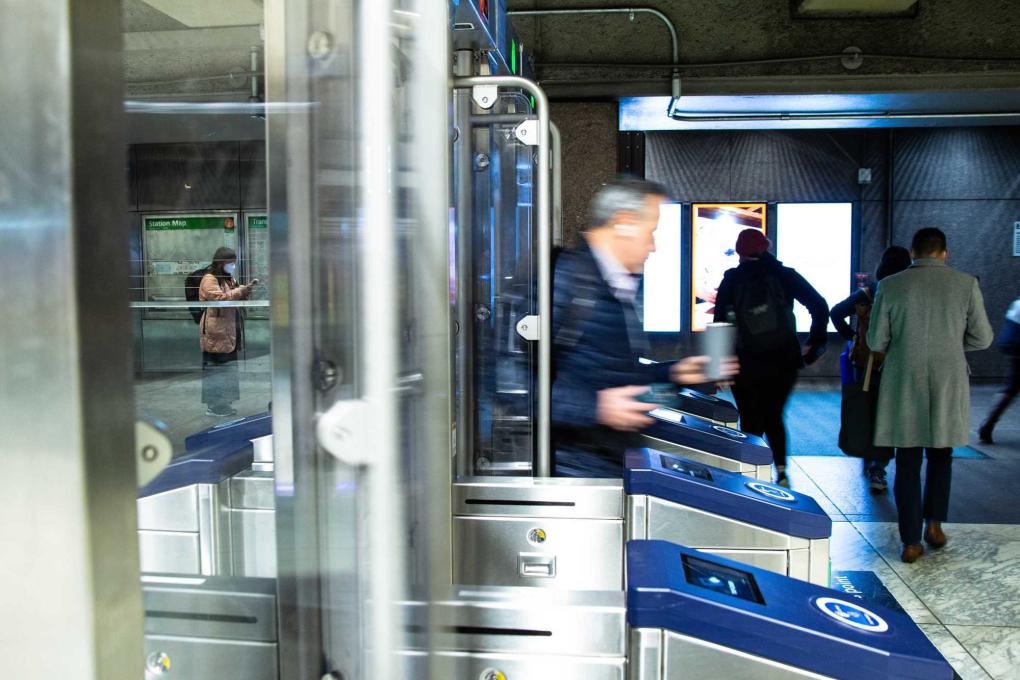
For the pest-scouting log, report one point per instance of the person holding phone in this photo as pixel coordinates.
(221, 331)
(599, 339)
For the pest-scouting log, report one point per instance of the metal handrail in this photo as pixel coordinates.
(543, 455)
(187, 304)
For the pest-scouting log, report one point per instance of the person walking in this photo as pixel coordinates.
(1009, 344)
(221, 333)
(757, 296)
(924, 319)
(599, 339)
(867, 364)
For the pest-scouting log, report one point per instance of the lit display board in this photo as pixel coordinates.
(714, 230)
(662, 274)
(815, 239)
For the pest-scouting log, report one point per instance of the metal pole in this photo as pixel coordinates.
(557, 185)
(379, 331)
(72, 605)
(465, 345)
(542, 466)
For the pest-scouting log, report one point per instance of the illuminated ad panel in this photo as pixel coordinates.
(663, 274)
(815, 239)
(714, 231)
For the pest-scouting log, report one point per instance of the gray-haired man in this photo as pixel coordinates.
(598, 337)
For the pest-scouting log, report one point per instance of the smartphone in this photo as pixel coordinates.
(717, 342)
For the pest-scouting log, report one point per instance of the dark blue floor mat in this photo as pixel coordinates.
(812, 421)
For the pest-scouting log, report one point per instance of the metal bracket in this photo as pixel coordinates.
(485, 95)
(343, 431)
(528, 132)
(528, 328)
(153, 451)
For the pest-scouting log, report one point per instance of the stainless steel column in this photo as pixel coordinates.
(543, 451)
(464, 338)
(72, 595)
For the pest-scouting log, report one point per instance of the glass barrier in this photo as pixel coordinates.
(188, 390)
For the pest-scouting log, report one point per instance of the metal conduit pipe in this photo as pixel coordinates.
(542, 466)
(619, 10)
(877, 115)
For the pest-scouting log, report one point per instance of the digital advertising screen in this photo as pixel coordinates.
(714, 230)
(663, 274)
(816, 240)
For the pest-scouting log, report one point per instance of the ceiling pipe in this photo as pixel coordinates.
(675, 80)
(874, 115)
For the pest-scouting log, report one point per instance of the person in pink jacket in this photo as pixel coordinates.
(221, 330)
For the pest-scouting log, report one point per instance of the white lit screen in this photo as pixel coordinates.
(815, 239)
(662, 274)
(714, 232)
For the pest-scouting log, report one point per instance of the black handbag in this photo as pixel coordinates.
(857, 419)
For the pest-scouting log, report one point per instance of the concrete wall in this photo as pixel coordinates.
(589, 134)
(965, 181)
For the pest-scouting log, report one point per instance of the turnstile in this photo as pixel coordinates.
(724, 513)
(240, 430)
(523, 634)
(569, 533)
(208, 628)
(693, 402)
(695, 616)
(211, 512)
(184, 513)
(707, 442)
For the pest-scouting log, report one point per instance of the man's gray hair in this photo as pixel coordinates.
(622, 195)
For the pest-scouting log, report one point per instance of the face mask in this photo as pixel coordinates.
(229, 268)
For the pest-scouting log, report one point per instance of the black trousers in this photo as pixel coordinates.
(913, 508)
(1007, 395)
(220, 379)
(761, 401)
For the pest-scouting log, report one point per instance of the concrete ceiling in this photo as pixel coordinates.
(189, 54)
(733, 46)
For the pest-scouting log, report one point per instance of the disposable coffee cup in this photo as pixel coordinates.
(717, 343)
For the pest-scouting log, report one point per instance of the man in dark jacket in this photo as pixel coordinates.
(757, 296)
(598, 335)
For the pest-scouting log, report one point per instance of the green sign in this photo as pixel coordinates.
(258, 221)
(173, 223)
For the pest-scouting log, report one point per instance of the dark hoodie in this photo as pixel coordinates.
(787, 359)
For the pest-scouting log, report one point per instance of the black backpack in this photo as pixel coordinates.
(764, 315)
(192, 283)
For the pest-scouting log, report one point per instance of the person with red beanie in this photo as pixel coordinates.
(757, 297)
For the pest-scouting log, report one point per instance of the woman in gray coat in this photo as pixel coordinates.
(924, 319)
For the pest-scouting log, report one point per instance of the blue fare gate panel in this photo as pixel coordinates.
(720, 492)
(239, 431)
(697, 433)
(773, 617)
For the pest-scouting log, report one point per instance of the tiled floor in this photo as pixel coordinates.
(965, 597)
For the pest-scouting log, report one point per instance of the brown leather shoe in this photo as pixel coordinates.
(912, 552)
(934, 536)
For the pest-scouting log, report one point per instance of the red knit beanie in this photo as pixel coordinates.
(752, 243)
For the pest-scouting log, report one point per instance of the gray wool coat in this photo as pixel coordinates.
(925, 318)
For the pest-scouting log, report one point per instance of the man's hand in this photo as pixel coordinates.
(691, 371)
(618, 408)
